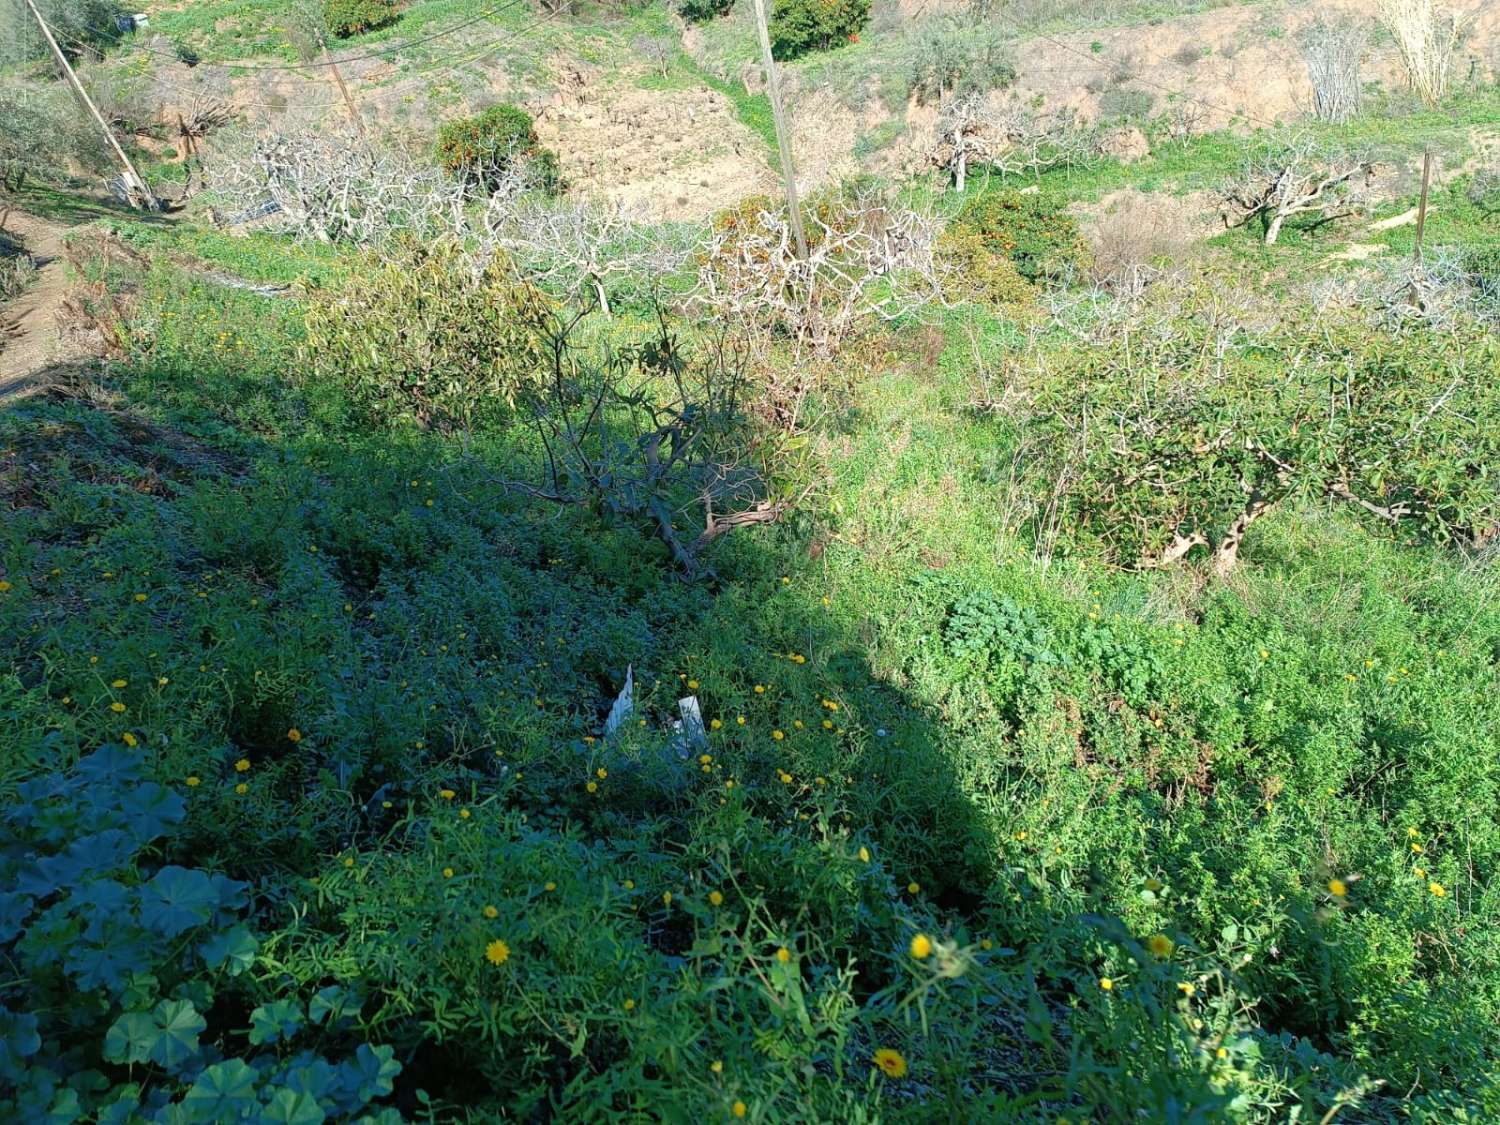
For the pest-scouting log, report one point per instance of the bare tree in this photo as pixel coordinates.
(962, 126)
(649, 432)
(657, 50)
(580, 245)
(327, 186)
(1426, 35)
(1012, 141)
(1333, 50)
(1296, 177)
(867, 258)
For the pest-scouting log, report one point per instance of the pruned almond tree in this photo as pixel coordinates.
(328, 187)
(1298, 176)
(1012, 140)
(581, 246)
(868, 258)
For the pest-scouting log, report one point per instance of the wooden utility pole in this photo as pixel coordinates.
(354, 116)
(1422, 206)
(783, 140)
(135, 186)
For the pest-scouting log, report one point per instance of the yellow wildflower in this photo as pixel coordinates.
(497, 952)
(891, 1062)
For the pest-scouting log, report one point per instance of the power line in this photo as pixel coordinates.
(404, 45)
(421, 75)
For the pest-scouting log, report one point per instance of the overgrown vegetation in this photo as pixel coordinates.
(468, 652)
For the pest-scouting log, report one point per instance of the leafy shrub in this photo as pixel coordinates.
(983, 274)
(483, 148)
(347, 18)
(79, 24)
(1204, 444)
(800, 26)
(16, 273)
(1484, 189)
(701, 11)
(422, 333)
(957, 57)
(123, 958)
(1033, 231)
(1120, 103)
(1482, 263)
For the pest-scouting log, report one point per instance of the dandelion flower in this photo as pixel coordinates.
(118, 684)
(601, 773)
(447, 873)
(1437, 889)
(740, 720)
(629, 884)
(666, 898)
(242, 765)
(921, 947)
(463, 814)
(891, 1062)
(760, 689)
(629, 1005)
(715, 724)
(294, 735)
(592, 787)
(1186, 989)
(1106, 984)
(778, 735)
(128, 739)
(716, 898)
(1221, 1053)
(1160, 945)
(739, 1109)
(117, 707)
(913, 887)
(692, 685)
(717, 1066)
(1153, 885)
(1337, 888)
(497, 952)
(193, 782)
(242, 789)
(549, 887)
(490, 912)
(827, 724)
(447, 794)
(783, 955)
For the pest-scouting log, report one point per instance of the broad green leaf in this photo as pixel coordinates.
(223, 1092)
(129, 1038)
(178, 1026)
(150, 809)
(288, 1107)
(333, 1004)
(235, 947)
(111, 766)
(18, 1042)
(177, 899)
(371, 1073)
(277, 1021)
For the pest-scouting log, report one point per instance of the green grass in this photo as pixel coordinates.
(1039, 763)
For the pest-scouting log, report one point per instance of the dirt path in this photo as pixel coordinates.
(30, 344)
